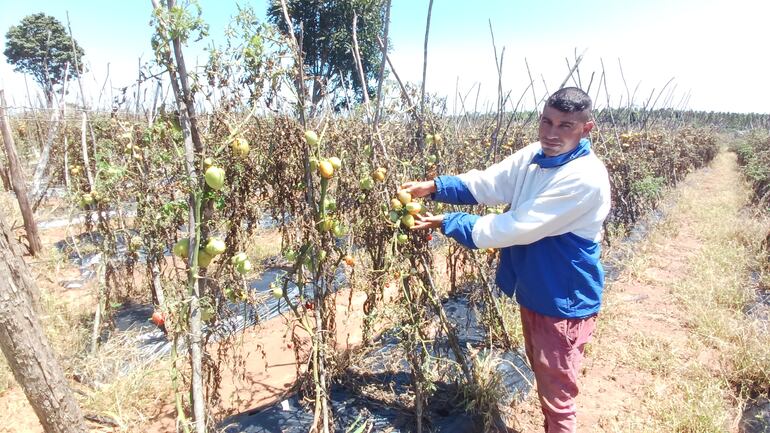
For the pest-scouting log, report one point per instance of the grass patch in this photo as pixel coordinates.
(714, 295)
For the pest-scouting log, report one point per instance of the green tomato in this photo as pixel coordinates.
(239, 258)
(394, 216)
(402, 238)
(181, 248)
(396, 204)
(325, 225)
(335, 162)
(243, 267)
(311, 137)
(413, 207)
(215, 246)
(277, 292)
(240, 147)
(215, 177)
(407, 221)
(204, 259)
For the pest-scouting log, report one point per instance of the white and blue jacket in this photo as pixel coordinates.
(550, 238)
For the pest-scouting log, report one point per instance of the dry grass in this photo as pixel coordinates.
(714, 293)
(120, 384)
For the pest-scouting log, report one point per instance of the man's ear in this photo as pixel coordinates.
(587, 127)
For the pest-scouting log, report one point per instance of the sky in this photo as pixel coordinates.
(713, 51)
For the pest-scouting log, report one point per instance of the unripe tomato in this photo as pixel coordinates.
(396, 204)
(243, 267)
(240, 147)
(393, 215)
(379, 174)
(311, 137)
(407, 221)
(403, 196)
(215, 246)
(181, 248)
(325, 225)
(277, 293)
(239, 258)
(204, 259)
(335, 162)
(402, 238)
(215, 177)
(413, 207)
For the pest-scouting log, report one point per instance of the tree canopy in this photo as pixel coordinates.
(327, 40)
(40, 46)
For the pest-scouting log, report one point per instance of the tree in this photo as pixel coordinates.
(26, 349)
(327, 38)
(41, 47)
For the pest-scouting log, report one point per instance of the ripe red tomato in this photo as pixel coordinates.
(158, 318)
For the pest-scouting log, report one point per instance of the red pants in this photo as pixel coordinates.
(555, 350)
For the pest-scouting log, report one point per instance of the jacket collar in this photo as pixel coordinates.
(583, 148)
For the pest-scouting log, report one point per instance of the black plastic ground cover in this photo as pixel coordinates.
(385, 367)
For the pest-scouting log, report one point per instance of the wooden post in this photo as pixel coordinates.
(17, 179)
(26, 348)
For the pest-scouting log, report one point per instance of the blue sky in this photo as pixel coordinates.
(714, 49)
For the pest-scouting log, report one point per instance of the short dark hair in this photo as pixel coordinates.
(570, 100)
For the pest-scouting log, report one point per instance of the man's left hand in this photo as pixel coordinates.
(427, 221)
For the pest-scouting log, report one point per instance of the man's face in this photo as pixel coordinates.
(561, 132)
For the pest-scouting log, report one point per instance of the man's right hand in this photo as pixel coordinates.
(419, 189)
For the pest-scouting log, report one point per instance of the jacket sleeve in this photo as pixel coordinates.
(494, 185)
(450, 189)
(459, 226)
(557, 211)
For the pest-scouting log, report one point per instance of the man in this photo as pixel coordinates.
(549, 241)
